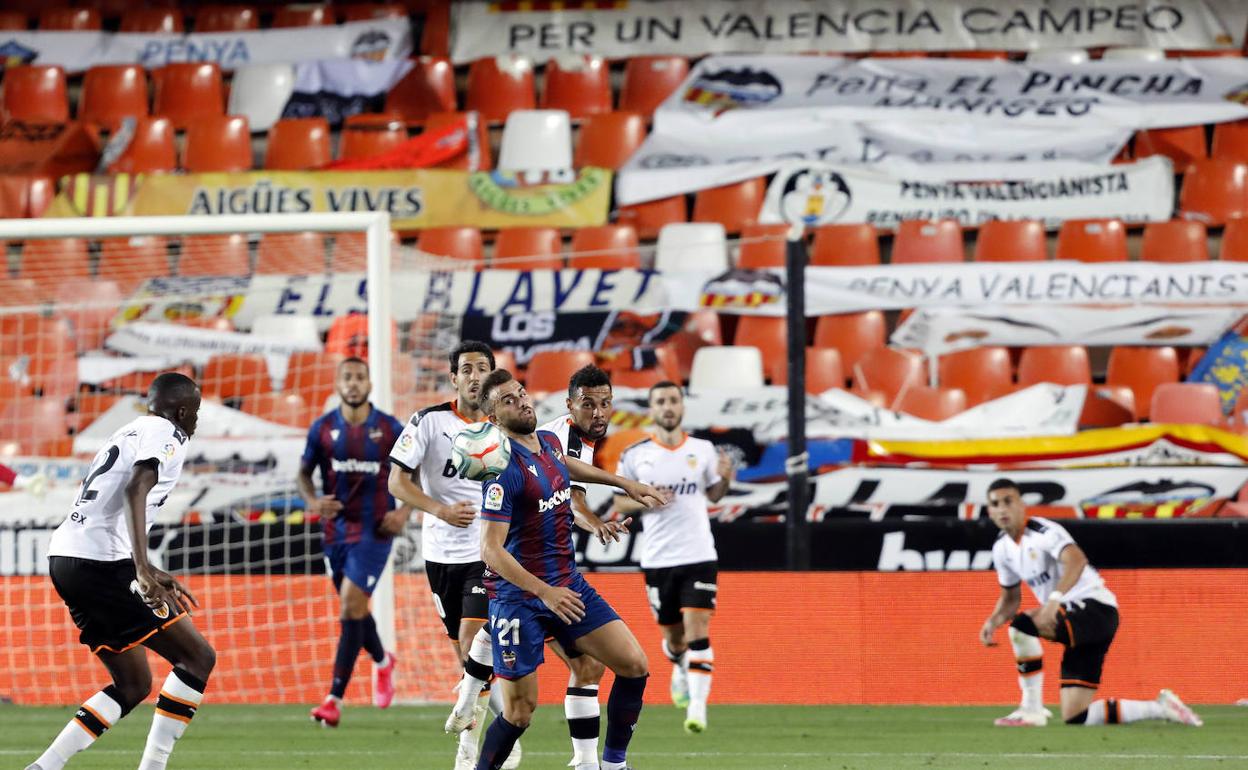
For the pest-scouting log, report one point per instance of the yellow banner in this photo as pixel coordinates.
(416, 199)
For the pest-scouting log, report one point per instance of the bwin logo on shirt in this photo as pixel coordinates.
(555, 500)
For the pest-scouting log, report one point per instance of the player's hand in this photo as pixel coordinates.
(459, 514)
(564, 602)
(326, 507)
(647, 495)
(727, 468)
(158, 587)
(986, 632)
(394, 521)
(610, 529)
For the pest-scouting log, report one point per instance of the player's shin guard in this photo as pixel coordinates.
(580, 706)
(499, 741)
(372, 640)
(623, 711)
(350, 640)
(1114, 711)
(93, 718)
(177, 703)
(1030, 658)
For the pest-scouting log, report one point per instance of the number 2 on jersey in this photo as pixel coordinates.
(507, 628)
(110, 458)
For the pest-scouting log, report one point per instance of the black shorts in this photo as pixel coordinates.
(103, 599)
(672, 590)
(458, 593)
(1086, 632)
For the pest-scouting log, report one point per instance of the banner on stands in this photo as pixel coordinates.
(372, 40)
(673, 164)
(525, 335)
(1225, 364)
(940, 330)
(737, 95)
(619, 30)
(336, 89)
(820, 194)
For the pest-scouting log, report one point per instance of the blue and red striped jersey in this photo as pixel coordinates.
(534, 496)
(355, 468)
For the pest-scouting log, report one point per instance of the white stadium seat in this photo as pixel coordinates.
(536, 140)
(296, 329)
(1058, 56)
(1130, 53)
(726, 367)
(692, 246)
(260, 91)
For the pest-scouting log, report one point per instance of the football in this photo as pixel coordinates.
(481, 451)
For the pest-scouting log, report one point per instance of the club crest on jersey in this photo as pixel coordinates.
(162, 611)
(692, 460)
(494, 497)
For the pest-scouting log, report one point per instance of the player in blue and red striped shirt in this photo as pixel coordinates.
(536, 589)
(351, 447)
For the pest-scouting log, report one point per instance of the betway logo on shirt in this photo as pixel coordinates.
(355, 466)
(555, 500)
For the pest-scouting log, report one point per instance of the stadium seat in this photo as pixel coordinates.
(130, 261)
(1058, 364)
(1214, 191)
(1230, 141)
(642, 379)
(692, 246)
(21, 292)
(166, 21)
(259, 92)
(35, 94)
(505, 359)
(291, 254)
(350, 251)
(1092, 240)
(295, 329)
(152, 150)
(889, 371)
(52, 259)
(367, 11)
(824, 371)
(297, 144)
(89, 304)
(428, 88)
(214, 255)
(218, 143)
(1175, 241)
(853, 334)
(701, 328)
(282, 408)
(1235, 241)
(453, 242)
(366, 135)
(348, 336)
(302, 16)
(35, 426)
(1196, 403)
(35, 334)
(88, 407)
(463, 162)
(13, 21)
(577, 84)
(733, 205)
(1018, 241)
(606, 247)
(649, 80)
(499, 85)
(762, 246)
(549, 370)
(650, 217)
(536, 140)
(609, 140)
(769, 335)
(226, 18)
(435, 37)
(847, 245)
(1134, 54)
(235, 376)
(69, 20)
(921, 240)
(1058, 56)
(983, 374)
(1107, 406)
(528, 248)
(1182, 145)
(929, 403)
(188, 91)
(726, 367)
(1142, 369)
(111, 92)
(311, 374)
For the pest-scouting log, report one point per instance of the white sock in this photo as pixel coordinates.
(179, 699)
(100, 712)
(1119, 711)
(472, 737)
(496, 701)
(480, 657)
(701, 663)
(1030, 657)
(584, 719)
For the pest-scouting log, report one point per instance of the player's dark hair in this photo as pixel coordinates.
(171, 389)
(1004, 483)
(493, 380)
(661, 386)
(588, 376)
(470, 346)
(352, 360)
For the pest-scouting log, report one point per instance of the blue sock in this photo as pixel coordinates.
(499, 740)
(623, 711)
(372, 642)
(349, 643)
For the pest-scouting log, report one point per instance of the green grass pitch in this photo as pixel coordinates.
(740, 737)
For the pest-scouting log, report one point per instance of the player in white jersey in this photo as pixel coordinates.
(1076, 610)
(678, 551)
(120, 601)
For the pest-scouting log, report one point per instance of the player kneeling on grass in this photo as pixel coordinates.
(119, 601)
(1076, 610)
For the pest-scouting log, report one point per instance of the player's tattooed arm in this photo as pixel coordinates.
(406, 489)
(564, 602)
(648, 496)
(156, 586)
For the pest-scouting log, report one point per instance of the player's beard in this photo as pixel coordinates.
(595, 435)
(522, 424)
(357, 403)
(669, 423)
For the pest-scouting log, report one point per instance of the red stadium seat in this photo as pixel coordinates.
(934, 404)
(291, 253)
(367, 11)
(35, 94)
(50, 260)
(435, 38)
(90, 305)
(1235, 241)
(302, 16)
(1175, 241)
(282, 408)
(1058, 364)
(642, 379)
(311, 375)
(1182, 145)
(649, 80)
(1107, 406)
(853, 334)
(762, 246)
(297, 144)
(226, 18)
(1214, 191)
(69, 20)
(89, 406)
(1142, 369)
(888, 371)
(1230, 141)
(768, 334)
(1092, 240)
(463, 161)
(454, 242)
(495, 91)
(846, 245)
(111, 92)
(824, 371)
(734, 205)
(607, 247)
(218, 143)
(365, 135)
(130, 261)
(235, 376)
(648, 218)
(921, 240)
(33, 334)
(609, 140)
(579, 85)
(188, 91)
(13, 21)
(1187, 402)
(983, 374)
(21, 292)
(350, 252)
(549, 370)
(36, 426)
(428, 88)
(528, 248)
(214, 255)
(1002, 241)
(166, 21)
(152, 150)
(348, 336)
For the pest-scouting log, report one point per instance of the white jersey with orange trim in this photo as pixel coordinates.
(97, 528)
(425, 446)
(679, 533)
(1035, 560)
(574, 442)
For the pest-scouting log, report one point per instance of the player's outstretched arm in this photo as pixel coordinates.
(156, 586)
(648, 496)
(1007, 606)
(592, 523)
(407, 491)
(564, 602)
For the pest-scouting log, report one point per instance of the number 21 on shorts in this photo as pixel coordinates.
(506, 632)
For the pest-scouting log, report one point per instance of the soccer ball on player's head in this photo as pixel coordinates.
(481, 451)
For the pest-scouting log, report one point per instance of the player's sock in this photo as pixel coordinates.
(478, 668)
(499, 740)
(1030, 657)
(372, 640)
(177, 703)
(701, 666)
(1114, 711)
(100, 712)
(350, 640)
(623, 710)
(580, 706)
